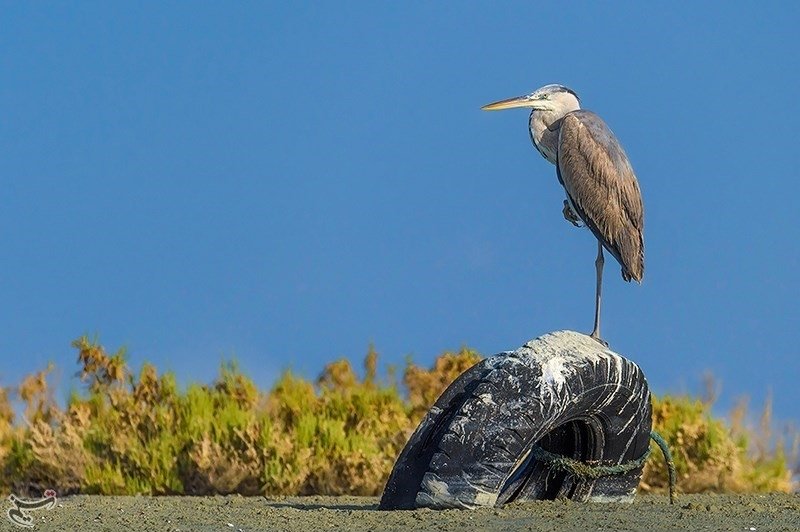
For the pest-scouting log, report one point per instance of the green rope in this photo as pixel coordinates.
(584, 470)
(588, 471)
(662, 444)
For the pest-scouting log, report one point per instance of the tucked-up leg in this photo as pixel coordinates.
(570, 215)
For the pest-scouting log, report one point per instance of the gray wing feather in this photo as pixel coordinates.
(601, 184)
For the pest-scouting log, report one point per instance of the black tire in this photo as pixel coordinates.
(410, 467)
(564, 392)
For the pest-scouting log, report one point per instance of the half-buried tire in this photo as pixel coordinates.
(563, 393)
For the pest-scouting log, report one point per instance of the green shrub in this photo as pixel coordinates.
(128, 433)
(710, 455)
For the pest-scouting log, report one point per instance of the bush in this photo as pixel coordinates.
(128, 434)
(711, 456)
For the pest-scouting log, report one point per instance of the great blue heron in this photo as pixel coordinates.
(602, 191)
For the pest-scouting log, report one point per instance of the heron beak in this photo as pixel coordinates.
(511, 103)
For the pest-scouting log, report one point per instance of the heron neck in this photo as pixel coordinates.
(544, 128)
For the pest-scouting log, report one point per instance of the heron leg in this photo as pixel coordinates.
(598, 264)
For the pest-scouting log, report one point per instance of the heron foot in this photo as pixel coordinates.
(570, 216)
(599, 340)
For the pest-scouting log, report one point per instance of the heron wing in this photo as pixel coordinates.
(600, 183)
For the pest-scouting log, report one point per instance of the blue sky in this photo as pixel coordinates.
(286, 183)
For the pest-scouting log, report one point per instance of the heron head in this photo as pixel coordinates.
(553, 98)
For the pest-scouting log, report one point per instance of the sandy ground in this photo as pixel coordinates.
(651, 513)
